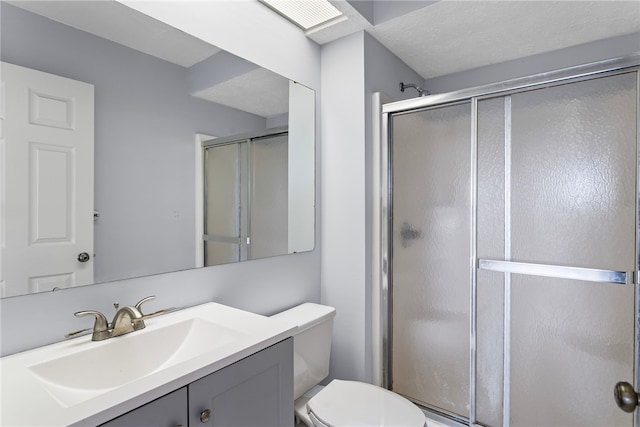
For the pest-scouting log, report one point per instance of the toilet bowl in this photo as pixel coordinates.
(340, 403)
(354, 403)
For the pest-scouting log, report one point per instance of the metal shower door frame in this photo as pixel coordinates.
(630, 63)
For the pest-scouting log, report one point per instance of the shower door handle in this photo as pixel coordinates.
(625, 396)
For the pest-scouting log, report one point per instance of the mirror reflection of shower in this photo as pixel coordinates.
(421, 91)
(247, 197)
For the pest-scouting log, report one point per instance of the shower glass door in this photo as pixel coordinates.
(246, 198)
(556, 197)
(269, 216)
(225, 201)
(431, 242)
(513, 249)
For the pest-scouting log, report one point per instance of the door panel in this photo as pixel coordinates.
(224, 203)
(571, 342)
(573, 203)
(557, 187)
(431, 221)
(573, 174)
(51, 193)
(269, 197)
(47, 181)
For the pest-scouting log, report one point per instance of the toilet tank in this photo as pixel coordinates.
(311, 343)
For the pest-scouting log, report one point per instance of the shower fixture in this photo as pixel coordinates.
(421, 91)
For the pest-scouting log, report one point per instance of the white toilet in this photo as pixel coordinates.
(340, 403)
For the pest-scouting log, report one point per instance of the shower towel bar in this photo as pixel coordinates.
(558, 271)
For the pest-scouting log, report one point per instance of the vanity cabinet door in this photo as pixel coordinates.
(255, 391)
(167, 411)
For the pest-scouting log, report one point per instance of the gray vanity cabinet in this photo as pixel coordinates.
(167, 411)
(256, 391)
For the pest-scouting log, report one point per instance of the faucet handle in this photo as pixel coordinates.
(101, 325)
(101, 321)
(142, 301)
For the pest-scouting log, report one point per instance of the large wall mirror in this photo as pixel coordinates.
(107, 119)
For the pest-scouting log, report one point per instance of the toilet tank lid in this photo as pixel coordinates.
(306, 315)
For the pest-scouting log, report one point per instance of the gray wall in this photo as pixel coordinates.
(145, 126)
(263, 286)
(352, 69)
(343, 202)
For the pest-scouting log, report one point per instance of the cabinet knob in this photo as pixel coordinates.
(205, 415)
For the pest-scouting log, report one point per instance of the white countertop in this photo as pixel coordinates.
(25, 401)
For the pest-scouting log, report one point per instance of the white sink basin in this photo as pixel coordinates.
(79, 376)
(80, 382)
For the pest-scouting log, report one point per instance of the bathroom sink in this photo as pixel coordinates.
(79, 382)
(82, 375)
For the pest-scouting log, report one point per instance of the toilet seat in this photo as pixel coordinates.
(353, 403)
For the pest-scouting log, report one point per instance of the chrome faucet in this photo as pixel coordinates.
(127, 319)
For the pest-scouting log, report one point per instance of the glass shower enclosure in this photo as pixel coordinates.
(510, 240)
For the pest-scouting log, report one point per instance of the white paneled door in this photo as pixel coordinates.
(47, 181)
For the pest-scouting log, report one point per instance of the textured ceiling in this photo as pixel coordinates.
(451, 35)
